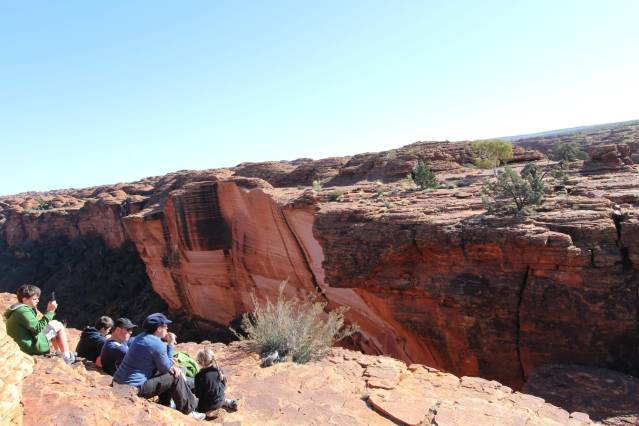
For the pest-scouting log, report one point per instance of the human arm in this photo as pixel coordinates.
(162, 357)
(27, 319)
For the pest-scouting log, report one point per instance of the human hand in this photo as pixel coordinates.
(52, 306)
(175, 371)
(171, 338)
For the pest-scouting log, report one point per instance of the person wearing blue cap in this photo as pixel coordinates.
(147, 365)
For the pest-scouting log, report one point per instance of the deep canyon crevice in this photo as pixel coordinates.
(429, 276)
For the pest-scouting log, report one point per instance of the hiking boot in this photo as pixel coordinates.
(197, 415)
(69, 359)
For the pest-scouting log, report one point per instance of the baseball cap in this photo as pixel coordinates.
(124, 323)
(155, 319)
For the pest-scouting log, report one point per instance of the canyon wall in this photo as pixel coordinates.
(15, 367)
(430, 277)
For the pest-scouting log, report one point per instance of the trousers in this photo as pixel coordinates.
(167, 387)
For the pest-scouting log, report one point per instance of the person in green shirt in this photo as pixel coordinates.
(36, 336)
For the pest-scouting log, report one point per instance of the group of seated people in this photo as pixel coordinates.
(144, 361)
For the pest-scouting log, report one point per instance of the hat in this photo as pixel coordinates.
(155, 320)
(124, 323)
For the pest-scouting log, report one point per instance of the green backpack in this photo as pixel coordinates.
(186, 362)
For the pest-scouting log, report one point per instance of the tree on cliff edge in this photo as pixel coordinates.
(513, 193)
(423, 176)
(491, 153)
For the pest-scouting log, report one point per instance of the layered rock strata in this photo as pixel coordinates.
(15, 367)
(429, 276)
(609, 397)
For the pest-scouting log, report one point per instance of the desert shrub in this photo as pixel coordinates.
(42, 204)
(317, 185)
(299, 329)
(424, 177)
(510, 192)
(560, 175)
(567, 152)
(491, 153)
(335, 195)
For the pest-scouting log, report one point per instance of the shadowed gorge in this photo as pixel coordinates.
(429, 276)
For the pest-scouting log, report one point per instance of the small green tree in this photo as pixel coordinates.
(424, 177)
(42, 204)
(491, 153)
(566, 152)
(512, 192)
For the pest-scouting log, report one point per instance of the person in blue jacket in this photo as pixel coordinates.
(147, 365)
(117, 346)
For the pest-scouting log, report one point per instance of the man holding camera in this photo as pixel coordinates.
(147, 365)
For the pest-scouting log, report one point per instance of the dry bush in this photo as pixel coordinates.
(297, 329)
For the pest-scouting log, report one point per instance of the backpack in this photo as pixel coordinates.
(184, 361)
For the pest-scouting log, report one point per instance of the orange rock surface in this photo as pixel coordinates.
(345, 388)
(429, 276)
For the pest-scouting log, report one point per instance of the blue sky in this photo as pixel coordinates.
(95, 93)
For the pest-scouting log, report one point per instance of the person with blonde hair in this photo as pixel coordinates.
(210, 384)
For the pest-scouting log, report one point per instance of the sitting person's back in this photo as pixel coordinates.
(116, 347)
(145, 357)
(148, 366)
(93, 338)
(210, 384)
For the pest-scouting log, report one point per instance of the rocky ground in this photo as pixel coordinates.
(430, 276)
(345, 388)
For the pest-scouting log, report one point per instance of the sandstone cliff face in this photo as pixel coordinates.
(15, 367)
(429, 276)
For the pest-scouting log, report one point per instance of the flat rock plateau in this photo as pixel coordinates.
(447, 290)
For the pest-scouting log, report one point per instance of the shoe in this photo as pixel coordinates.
(234, 404)
(70, 359)
(197, 415)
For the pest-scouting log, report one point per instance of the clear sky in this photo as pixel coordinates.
(105, 92)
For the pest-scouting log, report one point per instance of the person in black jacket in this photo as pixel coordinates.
(93, 338)
(210, 384)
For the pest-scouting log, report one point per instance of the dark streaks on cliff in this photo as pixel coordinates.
(520, 297)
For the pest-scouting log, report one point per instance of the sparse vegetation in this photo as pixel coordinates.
(317, 185)
(42, 204)
(514, 193)
(567, 152)
(424, 177)
(335, 195)
(297, 329)
(491, 153)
